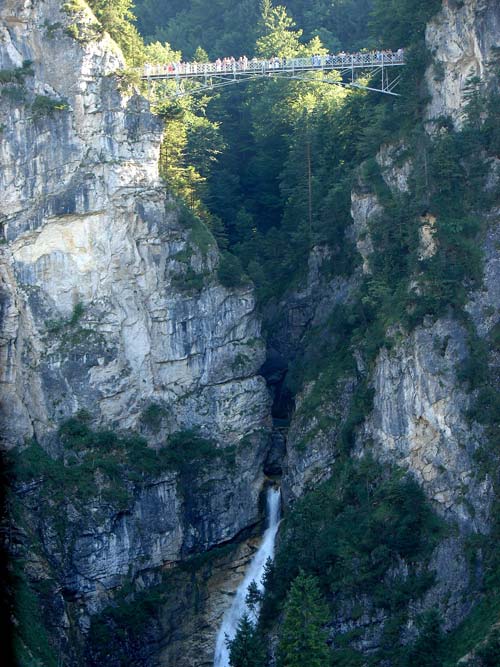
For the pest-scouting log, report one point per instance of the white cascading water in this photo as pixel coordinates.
(255, 573)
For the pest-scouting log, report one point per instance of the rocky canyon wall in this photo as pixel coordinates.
(419, 416)
(111, 306)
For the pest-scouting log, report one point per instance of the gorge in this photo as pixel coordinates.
(286, 285)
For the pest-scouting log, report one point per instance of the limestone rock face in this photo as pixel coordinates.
(461, 39)
(419, 420)
(110, 303)
(364, 207)
(102, 260)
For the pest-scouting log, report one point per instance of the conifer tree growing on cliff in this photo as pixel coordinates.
(245, 650)
(117, 18)
(303, 639)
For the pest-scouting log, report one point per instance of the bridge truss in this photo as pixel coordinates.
(351, 71)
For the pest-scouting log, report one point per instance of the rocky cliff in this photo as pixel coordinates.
(89, 227)
(462, 39)
(111, 308)
(418, 410)
(418, 398)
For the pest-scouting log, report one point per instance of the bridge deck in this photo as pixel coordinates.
(243, 68)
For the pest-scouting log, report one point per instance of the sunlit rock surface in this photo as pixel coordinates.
(89, 226)
(461, 39)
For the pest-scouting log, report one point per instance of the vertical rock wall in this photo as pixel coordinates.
(88, 225)
(420, 417)
(110, 303)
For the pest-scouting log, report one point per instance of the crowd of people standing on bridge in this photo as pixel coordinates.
(243, 64)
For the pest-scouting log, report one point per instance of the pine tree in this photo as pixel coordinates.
(303, 639)
(200, 55)
(117, 18)
(279, 38)
(427, 650)
(246, 649)
(254, 597)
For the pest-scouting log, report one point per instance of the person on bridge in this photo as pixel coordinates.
(230, 64)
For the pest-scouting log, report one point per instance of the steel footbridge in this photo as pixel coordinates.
(376, 71)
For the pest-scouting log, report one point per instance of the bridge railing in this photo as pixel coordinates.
(254, 66)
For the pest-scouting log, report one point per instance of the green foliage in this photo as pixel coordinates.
(74, 6)
(279, 38)
(489, 652)
(32, 644)
(191, 146)
(200, 55)
(349, 533)
(303, 638)
(18, 74)
(116, 17)
(77, 313)
(232, 27)
(341, 24)
(186, 449)
(103, 464)
(44, 106)
(398, 23)
(152, 416)
(427, 650)
(189, 281)
(157, 53)
(51, 29)
(73, 31)
(219, 27)
(254, 597)
(230, 271)
(302, 147)
(475, 632)
(246, 649)
(128, 80)
(201, 235)
(474, 370)
(59, 325)
(13, 93)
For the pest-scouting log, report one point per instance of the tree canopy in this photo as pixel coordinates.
(303, 637)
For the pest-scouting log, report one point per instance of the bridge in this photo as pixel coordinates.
(382, 66)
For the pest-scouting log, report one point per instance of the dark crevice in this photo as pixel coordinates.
(274, 371)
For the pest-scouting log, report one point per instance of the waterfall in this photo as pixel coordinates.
(254, 573)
